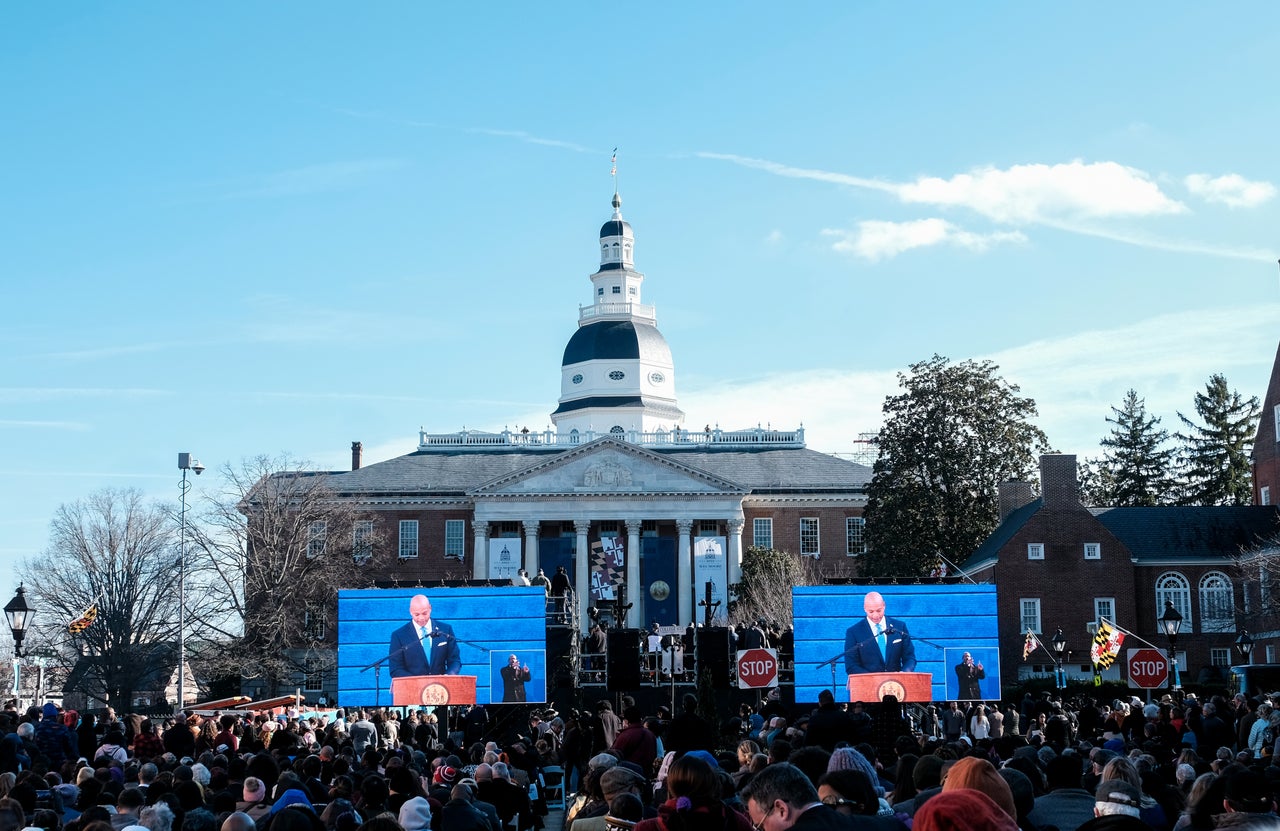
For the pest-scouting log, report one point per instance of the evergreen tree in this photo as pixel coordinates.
(1216, 453)
(1137, 464)
(952, 435)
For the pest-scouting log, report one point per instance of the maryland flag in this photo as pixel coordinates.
(85, 620)
(1106, 645)
(1030, 646)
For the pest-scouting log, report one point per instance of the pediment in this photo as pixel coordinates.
(608, 467)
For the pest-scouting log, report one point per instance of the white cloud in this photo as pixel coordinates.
(1231, 189)
(875, 239)
(774, 237)
(1029, 193)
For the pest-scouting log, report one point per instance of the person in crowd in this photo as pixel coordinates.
(694, 801)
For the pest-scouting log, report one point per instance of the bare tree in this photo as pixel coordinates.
(116, 552)
(767, 578)
(267, 556)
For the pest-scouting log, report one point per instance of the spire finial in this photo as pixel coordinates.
(613, 171)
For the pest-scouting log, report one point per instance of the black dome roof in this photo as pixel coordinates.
(616, 340)
(616, 228)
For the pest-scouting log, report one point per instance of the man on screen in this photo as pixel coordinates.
(514, 677)
(878, 643)
(424, 646)
(969, 674)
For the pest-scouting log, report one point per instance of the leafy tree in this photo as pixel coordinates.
(267, 556)
(1137, 465)
(115, 551)
(1216, 453)
(1095, 482)
(953, 434)
(765, 590)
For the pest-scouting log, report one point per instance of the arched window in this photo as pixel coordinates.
(1173, 587)
(617, 430)
(1217, 603)
(573, 436)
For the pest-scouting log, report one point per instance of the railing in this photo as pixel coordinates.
(476, 440)
(641, 310)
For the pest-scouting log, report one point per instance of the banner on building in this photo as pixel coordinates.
(608, 567)
(710, 565)
(504, 558)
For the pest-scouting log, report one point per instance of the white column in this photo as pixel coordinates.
(531, 547)
(633, 572)
(735, 557)
(684, 572)
(481, 558)
(582, 572)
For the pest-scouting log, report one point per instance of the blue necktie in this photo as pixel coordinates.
(882, 640)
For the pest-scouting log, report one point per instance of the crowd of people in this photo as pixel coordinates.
(1037, 765)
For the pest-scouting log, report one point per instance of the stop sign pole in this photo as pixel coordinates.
(1148, 668)
(757, 668)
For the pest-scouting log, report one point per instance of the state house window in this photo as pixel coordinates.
(408, 539)
(854, 531)
(708, 528)
(809, 536)
(1030, 607)
(1104, 607)
(1264, 495)
(316, 534)
(455, 539)
(1276, 415)
(617, 289)
(1220, 656)
(313, 673)
(314, 622)
(1093, 551)
(1173, 587)
(762, 532)
(1217, 603)
(362, 541)
(1035, 551)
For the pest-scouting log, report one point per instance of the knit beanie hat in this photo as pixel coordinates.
(978, 774)
(415, 814)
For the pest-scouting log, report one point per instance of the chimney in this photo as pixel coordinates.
(1013, 495)
(1059, 480)
(357, 454)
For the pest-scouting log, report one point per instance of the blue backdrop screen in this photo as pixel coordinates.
(944, 621)
(490, 624)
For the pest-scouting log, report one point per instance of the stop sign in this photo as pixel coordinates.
(757, 668)
(1148, 668)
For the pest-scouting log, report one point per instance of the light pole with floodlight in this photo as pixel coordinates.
(185, 463)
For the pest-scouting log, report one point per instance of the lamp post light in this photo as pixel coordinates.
(1170, 624)
(1059, 644)
(19, 615)
(1244, 643)
(185, 463)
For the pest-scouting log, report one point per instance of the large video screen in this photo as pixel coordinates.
(497, 634)
(927, 629)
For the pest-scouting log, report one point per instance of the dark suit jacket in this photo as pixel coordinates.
(513, 681)
(862, 653)
(970, 689)
(409, 658)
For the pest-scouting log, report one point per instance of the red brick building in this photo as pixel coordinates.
(1266, 445)
(1058, 564)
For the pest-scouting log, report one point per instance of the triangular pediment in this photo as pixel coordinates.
(608, 467)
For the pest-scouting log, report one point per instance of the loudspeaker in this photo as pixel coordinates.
(622, 660)
(713, 655)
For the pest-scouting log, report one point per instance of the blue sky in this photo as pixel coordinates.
(262, 228)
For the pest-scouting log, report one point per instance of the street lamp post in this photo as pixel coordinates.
(185, 463)
(1059, 645)
(1170, 624)
(19, 615)
(1244, 643)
